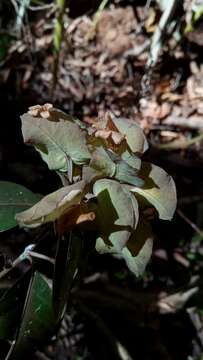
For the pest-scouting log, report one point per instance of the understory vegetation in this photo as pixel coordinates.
(101, 180)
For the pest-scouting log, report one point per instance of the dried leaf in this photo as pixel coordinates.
(133, 134)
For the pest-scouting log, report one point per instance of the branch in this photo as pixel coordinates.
(157, 38)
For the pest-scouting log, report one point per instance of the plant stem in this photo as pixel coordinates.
(178, 144)
(193, 225)
(16, 262)
(157, 39)
(26, 255)
(21, 13)
(58, 37)
(99, 12)
(96, 18)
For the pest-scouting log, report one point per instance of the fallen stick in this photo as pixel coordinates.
(193, 122)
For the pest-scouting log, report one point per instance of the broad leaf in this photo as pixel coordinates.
(13, 199)
(132, 160)
(137, 264)
(127, 174)
(11, 307)
(108, 164)
(117, 215)
(52, 206)
(67, 258)
(37, 323)
(133, 133)
(138, 249)
(159, 190)
(102, 163)
(56, 140)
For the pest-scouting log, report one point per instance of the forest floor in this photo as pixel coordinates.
(103, 67)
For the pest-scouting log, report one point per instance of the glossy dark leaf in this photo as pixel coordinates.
(66, 264)
(13, 199)
(11, 307)
(37, 323)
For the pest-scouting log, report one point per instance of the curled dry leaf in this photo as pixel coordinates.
(107, 130)
(133, 134)
(41, 110)
(52, 206)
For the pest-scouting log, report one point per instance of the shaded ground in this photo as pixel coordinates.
(100, 69)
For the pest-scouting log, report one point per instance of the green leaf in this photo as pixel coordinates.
(127, 174)
(102, 162)
(132, 160)
(108, 164)
(56, 140)
(67, 260)
(159, 190)
(117, 215)
(13, 199)
(138, 249)
(37, 323)
(137, 264)
(133, 133)
(124, 172)
(52, 206)
(11, 307)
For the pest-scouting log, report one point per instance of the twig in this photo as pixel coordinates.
(137, 50)
(144, 17)
(58, 37)
(15, 5)
(21, 13)
(157, 38)
(41, 256)
(96, 18)
(26, 255)
(193, 226)
(16, 262)
(41, 7)
(193, 122)
(181, 144)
